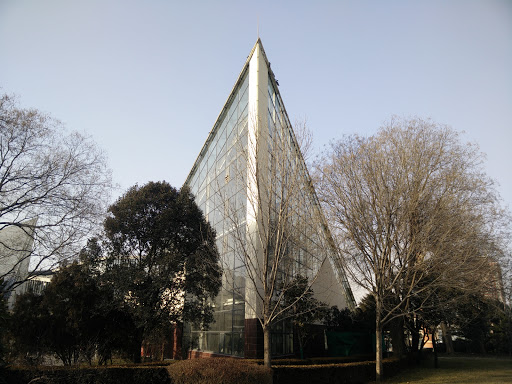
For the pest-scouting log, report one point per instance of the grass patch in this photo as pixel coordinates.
(458, 369)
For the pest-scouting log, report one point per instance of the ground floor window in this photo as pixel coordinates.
(281, 338)
(224, 343)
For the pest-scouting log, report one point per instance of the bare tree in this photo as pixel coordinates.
(412, 211)
(53, 189)
(277, 230)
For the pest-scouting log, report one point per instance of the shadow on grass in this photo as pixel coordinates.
(458, 369)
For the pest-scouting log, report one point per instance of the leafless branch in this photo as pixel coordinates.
(54, 187)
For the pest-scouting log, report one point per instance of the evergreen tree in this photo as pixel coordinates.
(161, 249)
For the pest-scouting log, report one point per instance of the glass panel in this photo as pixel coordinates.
(238, 319)
(228, 339)
(238, 344)
(221, 348)
(244, 100)
(212, 342)
(216, 325)
(217, 182)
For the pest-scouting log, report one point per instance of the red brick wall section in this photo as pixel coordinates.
(253, 339)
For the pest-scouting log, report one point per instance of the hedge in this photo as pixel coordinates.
(205, 371)
(89, 375)
(348, 373)
(316, 360)
(220, 370)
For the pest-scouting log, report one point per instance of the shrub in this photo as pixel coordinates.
(219, 371)
(316, 360)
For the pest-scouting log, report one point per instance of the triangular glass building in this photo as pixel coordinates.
(249, 171)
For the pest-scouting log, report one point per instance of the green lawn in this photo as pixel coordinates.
(456, 370)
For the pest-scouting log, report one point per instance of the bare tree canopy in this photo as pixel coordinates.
(412, 211)
(54, 187)
(278, 232)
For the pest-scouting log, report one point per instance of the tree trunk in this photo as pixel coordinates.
(415, 344)
(378, 352)
(267, 358)
(136, 354)
(436, 363)
(301, 344)
(139, 336)
(447, 337)
(481, 345)
(378, 339)
(397, 337)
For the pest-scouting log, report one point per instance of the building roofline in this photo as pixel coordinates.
(335, 261)
(224, 110)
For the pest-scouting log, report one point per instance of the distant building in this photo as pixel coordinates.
(16, 244)
(254, 111)
(38, 281)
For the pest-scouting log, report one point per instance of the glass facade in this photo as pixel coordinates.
(220, 193)
(308, 239)
(227, 175)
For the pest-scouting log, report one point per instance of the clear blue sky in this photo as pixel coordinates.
(147, 79)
